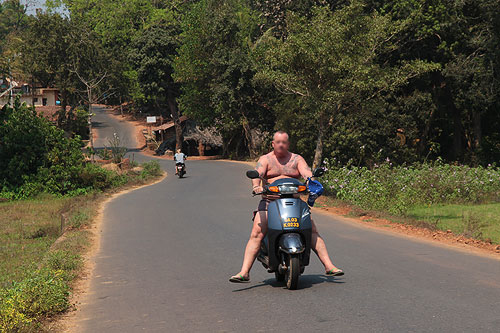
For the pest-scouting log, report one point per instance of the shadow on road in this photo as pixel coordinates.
(306, 281)
(98, 124)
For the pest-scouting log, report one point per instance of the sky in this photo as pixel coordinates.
(32, 5)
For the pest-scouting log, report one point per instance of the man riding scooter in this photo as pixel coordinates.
(180, 166)
(279, 164)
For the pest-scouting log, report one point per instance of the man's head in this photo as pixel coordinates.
(281, 143)
(178, 151)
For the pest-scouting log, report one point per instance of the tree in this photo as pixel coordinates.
(33, 151)
(334, 61)
(152, 55)
(117, 24)
(13, 20)
(216, 70)
(69, 57)
(460, 36)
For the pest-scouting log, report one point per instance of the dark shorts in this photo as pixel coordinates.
(262, 207)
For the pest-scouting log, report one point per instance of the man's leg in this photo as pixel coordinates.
(319, 247)
(259, 230)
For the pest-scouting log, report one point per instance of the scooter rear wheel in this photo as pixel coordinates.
(293, 272)
(279, 277)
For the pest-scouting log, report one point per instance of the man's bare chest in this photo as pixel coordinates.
(286, 168)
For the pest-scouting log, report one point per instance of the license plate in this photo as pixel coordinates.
(291, 222)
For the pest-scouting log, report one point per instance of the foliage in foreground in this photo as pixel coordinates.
(41, 288)
(43, 293)
(398, 189)
(36, 157)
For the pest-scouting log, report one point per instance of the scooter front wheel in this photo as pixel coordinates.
(293, 272)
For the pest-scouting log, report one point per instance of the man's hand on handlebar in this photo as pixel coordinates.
(257, 190)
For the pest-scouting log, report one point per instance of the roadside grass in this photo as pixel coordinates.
(38, 260)
(27, 230)
(480, 221)
(434, 195)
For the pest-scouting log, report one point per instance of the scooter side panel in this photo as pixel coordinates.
(274, 230)
(306, 231)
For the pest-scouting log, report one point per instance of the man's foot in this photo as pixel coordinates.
(239, 279)
(334, 272)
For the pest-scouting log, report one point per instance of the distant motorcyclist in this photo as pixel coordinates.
(180, 159)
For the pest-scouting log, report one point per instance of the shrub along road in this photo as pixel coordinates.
(167, 251)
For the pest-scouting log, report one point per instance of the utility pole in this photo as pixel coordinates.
(32, 91)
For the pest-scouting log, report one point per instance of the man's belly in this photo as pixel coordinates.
(272, 178)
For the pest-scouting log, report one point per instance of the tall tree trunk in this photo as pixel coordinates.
(445, 97)
(323, 123)
(478, 133)
(225, 148)
(249, 137)
(62, 117)
(174, 111)
(457, 133)
(318, 151)
(33, 88)
(421, 147)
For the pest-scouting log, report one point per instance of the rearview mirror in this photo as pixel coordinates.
(318, 172)
(253, 174)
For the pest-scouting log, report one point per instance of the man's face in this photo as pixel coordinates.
(281, 144)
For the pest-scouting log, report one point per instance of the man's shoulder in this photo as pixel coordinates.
(266, 157)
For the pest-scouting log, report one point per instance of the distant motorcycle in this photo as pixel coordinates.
(286, 249)
(181, 169)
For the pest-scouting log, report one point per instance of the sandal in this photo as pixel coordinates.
(239, 279)
(334, 272)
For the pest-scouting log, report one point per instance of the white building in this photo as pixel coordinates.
(38, 97)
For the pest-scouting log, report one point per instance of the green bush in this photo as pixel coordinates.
(397, 189)
(63, 261)
(104, 154)
(36, 156)
(45, 292)
(151, 169)
(95, 177)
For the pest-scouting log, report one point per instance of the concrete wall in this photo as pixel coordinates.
(50, 95)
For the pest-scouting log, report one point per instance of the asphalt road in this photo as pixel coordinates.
(108, 126)
(167, 252)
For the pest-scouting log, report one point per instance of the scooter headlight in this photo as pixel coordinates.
(288, 189)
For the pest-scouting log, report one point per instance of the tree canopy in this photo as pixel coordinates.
(358, 81)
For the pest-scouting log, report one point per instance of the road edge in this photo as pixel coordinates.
(81, 286)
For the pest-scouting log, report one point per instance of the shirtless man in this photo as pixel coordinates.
(279, 163)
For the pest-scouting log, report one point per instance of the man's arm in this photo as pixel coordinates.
(304, 169)
(261, 168)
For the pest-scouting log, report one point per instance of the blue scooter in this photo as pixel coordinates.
(286, 249)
